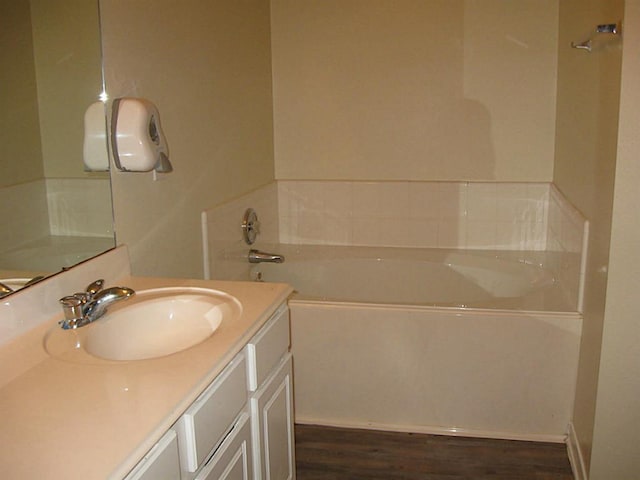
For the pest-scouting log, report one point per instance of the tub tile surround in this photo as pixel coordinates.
(462, 215)
(568, 233)
(507, 216)
(224, 250)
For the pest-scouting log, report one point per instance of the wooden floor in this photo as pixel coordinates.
(324, 453)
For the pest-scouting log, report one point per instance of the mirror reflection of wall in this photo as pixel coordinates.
(54, 213)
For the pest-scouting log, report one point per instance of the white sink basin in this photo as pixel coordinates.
(157, 322)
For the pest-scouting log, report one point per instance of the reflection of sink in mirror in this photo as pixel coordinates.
(151, 324)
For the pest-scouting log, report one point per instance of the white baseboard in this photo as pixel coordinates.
(575, 455)
(430, 430)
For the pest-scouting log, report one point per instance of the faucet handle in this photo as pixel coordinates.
(82, 297)
(95, 287)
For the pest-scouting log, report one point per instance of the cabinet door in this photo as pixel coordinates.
(272, 420)
(233, 460)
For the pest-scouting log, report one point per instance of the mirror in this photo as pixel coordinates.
(54, 213)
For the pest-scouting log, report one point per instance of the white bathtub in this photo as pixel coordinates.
(413, 276)
(430, 340)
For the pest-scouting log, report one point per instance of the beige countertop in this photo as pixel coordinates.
(69, 418)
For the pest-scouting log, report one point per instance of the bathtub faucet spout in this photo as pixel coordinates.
(256, 256)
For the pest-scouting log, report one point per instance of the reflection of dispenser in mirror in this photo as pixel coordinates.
(94, 148)
(136, 137)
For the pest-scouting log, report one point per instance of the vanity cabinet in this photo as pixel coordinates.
(241, 426)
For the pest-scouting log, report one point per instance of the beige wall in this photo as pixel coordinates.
(587, 120)
(617, 420)
(207, 66)
(438, 90)
(20, 155)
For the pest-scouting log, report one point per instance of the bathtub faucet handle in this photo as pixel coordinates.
(256, 256)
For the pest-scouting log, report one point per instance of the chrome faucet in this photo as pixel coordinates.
(82, 308)
(256, 256)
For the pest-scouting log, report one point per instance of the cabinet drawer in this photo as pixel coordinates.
(267, 347)
(161, 463)
(232, 461)
(207, 421)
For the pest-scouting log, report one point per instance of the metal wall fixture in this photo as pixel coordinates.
(250, 226)
(605, 28)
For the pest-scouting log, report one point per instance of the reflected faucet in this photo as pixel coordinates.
(82, 308)
(5, 290)
(256, 256)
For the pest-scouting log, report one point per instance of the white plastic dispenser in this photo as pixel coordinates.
(137, 139)
(94, 148)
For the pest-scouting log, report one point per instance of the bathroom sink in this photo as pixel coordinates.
(155, 323)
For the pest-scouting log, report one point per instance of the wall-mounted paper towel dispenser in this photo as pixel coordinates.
(94, 147)
(137, 139)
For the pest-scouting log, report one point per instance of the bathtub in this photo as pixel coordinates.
(419, 276)
(437, 341)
